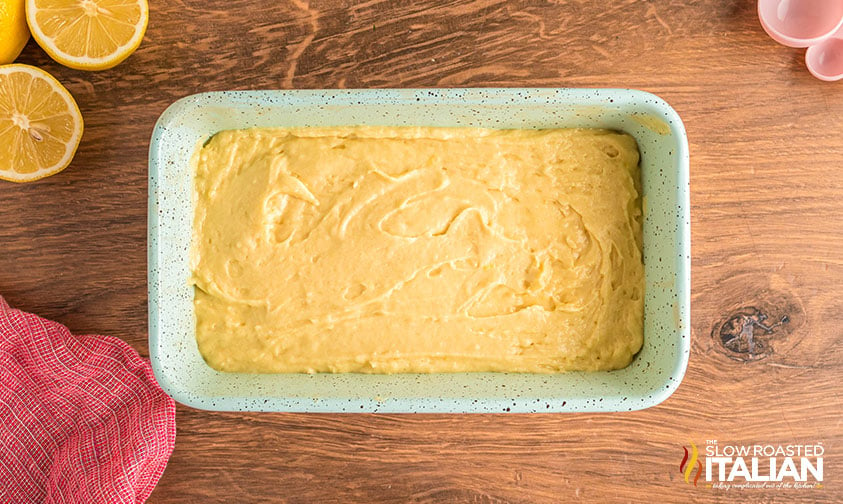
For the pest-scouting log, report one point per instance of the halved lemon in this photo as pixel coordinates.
(88, 34)
(40, 124)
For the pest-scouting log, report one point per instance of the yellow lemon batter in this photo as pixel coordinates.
(389, 250)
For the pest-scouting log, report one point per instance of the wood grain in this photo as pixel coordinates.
(767, 200)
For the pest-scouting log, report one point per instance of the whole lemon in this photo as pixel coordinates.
(13, 30)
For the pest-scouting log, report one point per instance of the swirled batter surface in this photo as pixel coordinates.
(387, 250)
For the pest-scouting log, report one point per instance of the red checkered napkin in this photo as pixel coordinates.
(82, 419)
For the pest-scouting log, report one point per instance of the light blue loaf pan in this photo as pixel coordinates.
(654, 374)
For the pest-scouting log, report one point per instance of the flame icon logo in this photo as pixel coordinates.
(686, 467)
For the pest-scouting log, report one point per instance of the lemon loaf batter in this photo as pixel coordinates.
(390, 250)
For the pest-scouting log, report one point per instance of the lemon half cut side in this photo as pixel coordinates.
(40, 124)
(88, 34)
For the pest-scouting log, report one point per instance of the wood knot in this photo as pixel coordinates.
(746, 334)
(757, 317)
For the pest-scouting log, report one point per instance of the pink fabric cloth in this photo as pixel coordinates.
(82, 419)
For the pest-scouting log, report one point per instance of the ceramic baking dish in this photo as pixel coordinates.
(653, 375)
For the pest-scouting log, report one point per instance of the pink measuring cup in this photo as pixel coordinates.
(815, 24)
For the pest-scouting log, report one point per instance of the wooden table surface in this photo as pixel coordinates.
(767, 201)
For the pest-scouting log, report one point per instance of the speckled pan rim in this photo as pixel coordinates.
(264, 396)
